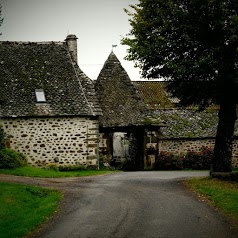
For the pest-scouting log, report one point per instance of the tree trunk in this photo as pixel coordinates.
(225, 131)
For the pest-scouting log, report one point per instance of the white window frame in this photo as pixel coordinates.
(40, 95)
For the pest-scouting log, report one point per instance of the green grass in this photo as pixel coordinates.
(221, 194)
(235, 170)
(51, 173)
(23, 208)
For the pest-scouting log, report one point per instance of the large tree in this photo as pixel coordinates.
(193, 44)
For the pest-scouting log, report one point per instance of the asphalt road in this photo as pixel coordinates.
(135, 205)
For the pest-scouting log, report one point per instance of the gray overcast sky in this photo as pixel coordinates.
(97, 23)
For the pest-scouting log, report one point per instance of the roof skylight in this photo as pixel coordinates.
(40, 95)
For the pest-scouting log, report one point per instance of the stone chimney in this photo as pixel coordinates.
(71, 41)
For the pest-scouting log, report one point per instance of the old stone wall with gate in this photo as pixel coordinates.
(179, 146)
(54, 140)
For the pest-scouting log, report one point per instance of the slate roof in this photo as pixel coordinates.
(119, 100)
(154, 94)
(180, 122)
(188, 123)
(27, 66)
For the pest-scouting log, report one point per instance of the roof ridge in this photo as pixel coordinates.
(80, 84)
(32, 42)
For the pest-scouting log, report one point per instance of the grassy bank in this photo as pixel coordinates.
(23, 208)
(51, 173)
(220, 194)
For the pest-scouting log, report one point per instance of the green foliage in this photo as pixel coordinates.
(194, 46)
(152, 121)
(231, 176)
(8, 157)
(11, 159)
(191, 160)
(221, 194)
(72, 168)
(24, 208)
(103, 164)
(52, 167)
(191, 43)
(2, 138)
(129, 165)
(168, 161)
(198, 160)
(30, 171)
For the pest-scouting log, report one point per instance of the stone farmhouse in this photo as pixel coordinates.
(54, 114)
(48, 106)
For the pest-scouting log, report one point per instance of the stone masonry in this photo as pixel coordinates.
(54, 140)
(179, 146)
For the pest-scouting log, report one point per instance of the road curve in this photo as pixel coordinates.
(135, 205)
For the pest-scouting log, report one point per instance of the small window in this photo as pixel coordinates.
(40, 95)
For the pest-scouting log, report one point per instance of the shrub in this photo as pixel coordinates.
(72, 168)
(230, 176)
(2, 138)
(129, 165)
(11, 159)
(207, 155)
(168, 161)
(191, 160)
(198, 160)
(52, 167)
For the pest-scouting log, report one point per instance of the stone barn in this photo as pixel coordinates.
(48, 106)
(186, 128)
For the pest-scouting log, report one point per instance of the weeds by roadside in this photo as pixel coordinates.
(24, 207)
(220, 194)
(30, 171)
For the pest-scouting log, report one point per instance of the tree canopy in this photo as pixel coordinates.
(191, 43)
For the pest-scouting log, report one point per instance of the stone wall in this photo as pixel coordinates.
(183, 145)
(54, 140)
(235, 153)
(178, 146)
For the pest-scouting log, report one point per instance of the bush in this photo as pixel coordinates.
(11, 159)
(227, 176)
(72, 168)
(207, 155)
(191, 160)
(52, 167)
(129, 165)
(2, 138)
(198, 160)
(168, 161)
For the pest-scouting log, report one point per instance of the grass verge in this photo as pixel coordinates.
(24, 207)
(220, 194)
(30, 171)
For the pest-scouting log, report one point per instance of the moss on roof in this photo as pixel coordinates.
(154, 94)
(180, 122)
(185, 123)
